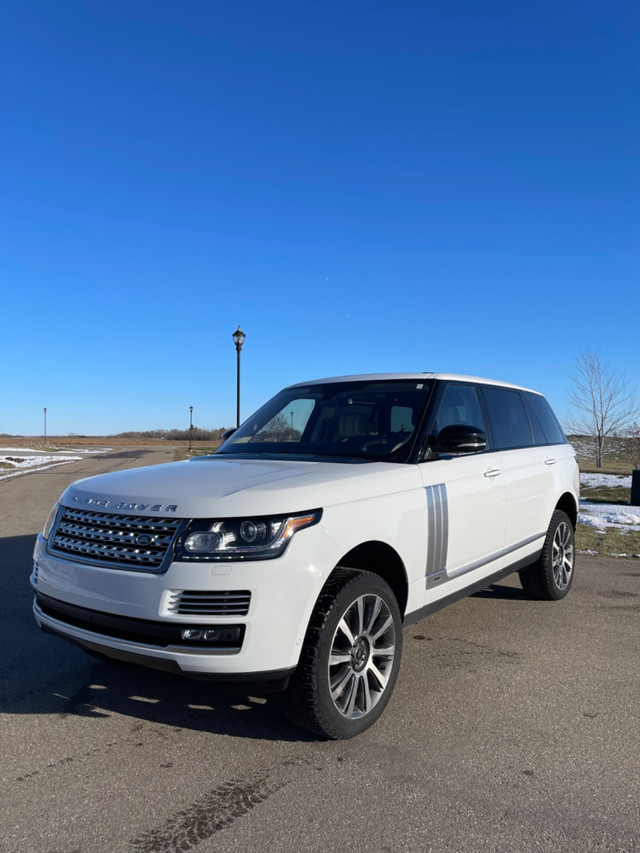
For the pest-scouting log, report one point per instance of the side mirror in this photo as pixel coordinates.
(227, 433)
(460, 438)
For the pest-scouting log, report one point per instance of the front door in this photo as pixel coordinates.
(465, 499)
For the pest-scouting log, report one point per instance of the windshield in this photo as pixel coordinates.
(360, 419)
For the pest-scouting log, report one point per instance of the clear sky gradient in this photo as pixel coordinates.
(362, 185)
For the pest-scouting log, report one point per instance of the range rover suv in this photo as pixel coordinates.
(290, 559)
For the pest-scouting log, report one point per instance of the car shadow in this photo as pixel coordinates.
(43, 674)
(499, 591)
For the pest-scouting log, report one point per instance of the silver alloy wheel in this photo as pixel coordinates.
(361, 659)
(562, 555)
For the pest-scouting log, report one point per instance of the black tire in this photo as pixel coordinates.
(551, 576)
(350, 657)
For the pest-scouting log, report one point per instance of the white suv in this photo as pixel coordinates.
(291, 558)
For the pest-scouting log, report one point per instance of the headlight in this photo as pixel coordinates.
(241, 538)
(46, 530)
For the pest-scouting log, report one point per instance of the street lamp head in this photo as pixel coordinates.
(238, 338)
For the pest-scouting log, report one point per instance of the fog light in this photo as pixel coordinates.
(225, 634)
(192, 634)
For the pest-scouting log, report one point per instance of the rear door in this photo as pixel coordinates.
(527, 465)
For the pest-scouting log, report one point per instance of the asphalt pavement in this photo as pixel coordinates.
(514, 726)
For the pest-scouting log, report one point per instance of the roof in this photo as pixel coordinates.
(381, 377)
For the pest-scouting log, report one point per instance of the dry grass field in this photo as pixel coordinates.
(616, 458)
(64, 442)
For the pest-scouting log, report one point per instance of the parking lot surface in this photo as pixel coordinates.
(514, 726)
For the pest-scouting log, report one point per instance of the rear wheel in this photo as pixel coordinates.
(551, 576)
(350, 658)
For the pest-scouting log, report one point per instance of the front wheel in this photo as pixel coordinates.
(551, 576)
(350, 658)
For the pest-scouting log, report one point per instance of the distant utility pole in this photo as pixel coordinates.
(45, 425)
(190, 427)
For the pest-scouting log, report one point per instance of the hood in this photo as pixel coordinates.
(219, 486)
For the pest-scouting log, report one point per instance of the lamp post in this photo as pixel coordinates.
(190, 426)
(238, 339)
(45, 425)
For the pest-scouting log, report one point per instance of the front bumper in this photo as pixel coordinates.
(132, 615)
(145, 654)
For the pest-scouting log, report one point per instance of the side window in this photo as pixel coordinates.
(459, 404)
(539, 436)
(508, 418)
(540, 410)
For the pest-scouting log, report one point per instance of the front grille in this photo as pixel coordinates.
(129, 541)
(201, 603)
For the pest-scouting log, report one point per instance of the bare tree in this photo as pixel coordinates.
(632, 444)
(605, 403)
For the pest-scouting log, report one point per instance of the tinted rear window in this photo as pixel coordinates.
(541, 412)
(508, 418)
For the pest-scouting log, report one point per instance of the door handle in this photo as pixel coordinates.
(493, 472)
(550, 461)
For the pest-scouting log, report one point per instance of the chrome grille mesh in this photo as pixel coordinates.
(204, 603)
(133, 541)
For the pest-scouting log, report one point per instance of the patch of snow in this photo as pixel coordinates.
(596, 515)
(610, 480)
(22, 460)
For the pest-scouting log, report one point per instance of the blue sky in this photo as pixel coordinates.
(370, 186)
